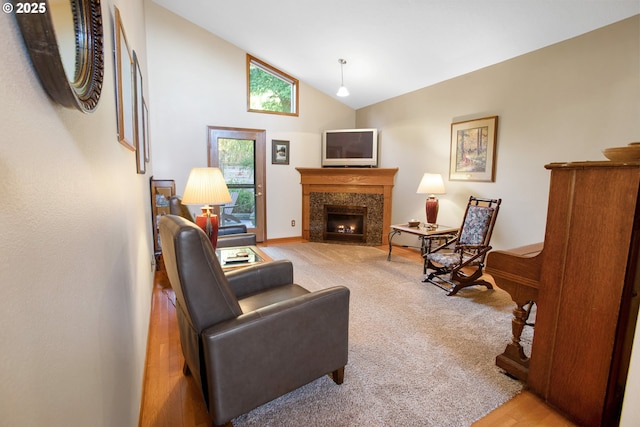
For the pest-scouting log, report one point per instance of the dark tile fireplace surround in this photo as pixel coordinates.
(362, 212)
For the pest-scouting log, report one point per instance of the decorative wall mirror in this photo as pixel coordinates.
(65, 41)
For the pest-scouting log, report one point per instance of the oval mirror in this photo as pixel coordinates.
(65, 40)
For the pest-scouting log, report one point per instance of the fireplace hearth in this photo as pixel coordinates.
(345, 223)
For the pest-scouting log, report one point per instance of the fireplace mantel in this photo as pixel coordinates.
(348, 180)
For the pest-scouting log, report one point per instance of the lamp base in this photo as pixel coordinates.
(209, 223)
(432, 210)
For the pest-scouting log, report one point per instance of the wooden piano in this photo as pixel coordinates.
(584, 280)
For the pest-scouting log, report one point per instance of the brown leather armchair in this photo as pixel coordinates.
(228, 235)
(250, 335)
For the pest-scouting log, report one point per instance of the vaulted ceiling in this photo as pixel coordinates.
(394, 47)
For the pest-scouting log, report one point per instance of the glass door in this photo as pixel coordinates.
(239, 153)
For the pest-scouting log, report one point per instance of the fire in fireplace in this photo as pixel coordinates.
(345, 223)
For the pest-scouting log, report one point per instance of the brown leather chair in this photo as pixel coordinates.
(228, 235)
(250, 335)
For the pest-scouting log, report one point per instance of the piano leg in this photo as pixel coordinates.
(513, 360)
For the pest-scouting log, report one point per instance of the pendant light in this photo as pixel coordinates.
(342, 91)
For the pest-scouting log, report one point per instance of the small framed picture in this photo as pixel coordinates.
(279, 152)
(473, 150)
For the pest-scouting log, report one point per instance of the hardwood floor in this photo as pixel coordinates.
(524, 410)
(171, 399)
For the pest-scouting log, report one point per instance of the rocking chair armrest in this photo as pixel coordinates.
(472, 247)
(483, 250)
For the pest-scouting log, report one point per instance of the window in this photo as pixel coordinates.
(270, 90)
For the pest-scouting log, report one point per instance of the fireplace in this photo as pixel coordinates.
(360, 187)
(345, 223)
(345, 207)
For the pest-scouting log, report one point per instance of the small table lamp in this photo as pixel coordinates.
(206, 186)
(431, 184)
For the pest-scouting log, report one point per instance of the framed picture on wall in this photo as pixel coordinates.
(139, 116)
(279, 152)
(145, 130)
(473, 150)
(124, 89)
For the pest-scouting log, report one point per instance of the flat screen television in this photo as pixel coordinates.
(350, 147)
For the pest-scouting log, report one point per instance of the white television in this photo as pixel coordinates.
(350, 147)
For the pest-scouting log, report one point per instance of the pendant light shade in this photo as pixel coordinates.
(342, 91)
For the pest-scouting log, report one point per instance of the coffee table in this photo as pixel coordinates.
(225, 255)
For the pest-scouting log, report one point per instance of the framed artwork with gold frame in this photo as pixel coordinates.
(473, 150)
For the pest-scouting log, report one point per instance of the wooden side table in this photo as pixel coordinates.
(426, 234)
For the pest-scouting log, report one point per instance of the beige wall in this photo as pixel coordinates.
(75, 249)
(562, 103)
(198, 80)
(566, 102)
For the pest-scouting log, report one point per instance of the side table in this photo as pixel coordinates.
(426, 233)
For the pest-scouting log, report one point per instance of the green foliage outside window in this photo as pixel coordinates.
(245, 202)
(270, 90)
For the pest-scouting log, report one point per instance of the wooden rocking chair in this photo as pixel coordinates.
(461, 266)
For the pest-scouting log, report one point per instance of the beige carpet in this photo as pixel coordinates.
(416, 356)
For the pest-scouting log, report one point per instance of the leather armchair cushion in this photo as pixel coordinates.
(210, 299)
(248, 281)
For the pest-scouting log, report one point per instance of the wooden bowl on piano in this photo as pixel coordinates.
(630, 153)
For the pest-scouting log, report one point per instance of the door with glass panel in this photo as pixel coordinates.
(240, 154)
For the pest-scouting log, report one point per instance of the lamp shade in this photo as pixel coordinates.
(206, 186)
(431, 183)
(343, 91)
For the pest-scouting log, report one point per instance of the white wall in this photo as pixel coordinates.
(75, 249)
(198, 80)
(563, 103)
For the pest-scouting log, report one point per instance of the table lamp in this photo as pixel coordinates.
(431, 184)
(206, 186)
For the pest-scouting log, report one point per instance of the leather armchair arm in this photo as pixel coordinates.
(265, 353)
(242, 239)
(247, 281)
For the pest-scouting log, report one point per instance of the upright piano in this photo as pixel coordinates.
(584, 280)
